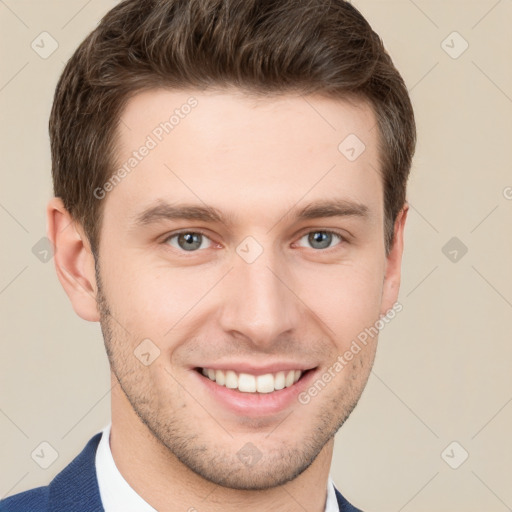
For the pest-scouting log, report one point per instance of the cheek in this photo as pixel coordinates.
(346, 298)
(149, 300)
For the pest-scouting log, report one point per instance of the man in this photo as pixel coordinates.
(230, 181)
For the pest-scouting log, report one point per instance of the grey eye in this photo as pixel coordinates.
(188, 241)
(321, 239)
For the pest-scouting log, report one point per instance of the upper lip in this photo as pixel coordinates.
(244, 367)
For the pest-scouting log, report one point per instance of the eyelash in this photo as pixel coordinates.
(343, 240)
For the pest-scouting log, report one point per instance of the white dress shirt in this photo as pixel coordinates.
(117, 495)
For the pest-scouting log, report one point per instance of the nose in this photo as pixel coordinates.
(258, 301)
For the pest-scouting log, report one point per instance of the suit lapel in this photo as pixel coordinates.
(75, 488)
(343, 504)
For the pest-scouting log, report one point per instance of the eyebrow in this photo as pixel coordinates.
(318, 209)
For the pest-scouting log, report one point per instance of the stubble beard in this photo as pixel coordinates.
(201, 451)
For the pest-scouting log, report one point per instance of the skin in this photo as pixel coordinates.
(259, 161)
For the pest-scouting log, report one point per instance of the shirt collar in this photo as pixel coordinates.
(117, 495)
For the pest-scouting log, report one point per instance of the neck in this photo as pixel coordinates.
(168, 485)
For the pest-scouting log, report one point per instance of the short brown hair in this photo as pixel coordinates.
(265, 47)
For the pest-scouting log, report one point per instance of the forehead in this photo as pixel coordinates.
(244, 155)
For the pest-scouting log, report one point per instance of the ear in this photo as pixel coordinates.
(73, 258)
(392, 277)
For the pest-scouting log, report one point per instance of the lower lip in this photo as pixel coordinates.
(256, 404)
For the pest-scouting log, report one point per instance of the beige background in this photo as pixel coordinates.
(443, 368)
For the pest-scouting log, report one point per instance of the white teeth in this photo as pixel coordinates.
(279, 380)
(290, 378)
(220, 377)
(231, 379)
(247, 383)
(265, 383)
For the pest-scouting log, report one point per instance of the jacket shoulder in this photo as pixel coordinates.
(33, 500)
(343, 504)
(74, 489)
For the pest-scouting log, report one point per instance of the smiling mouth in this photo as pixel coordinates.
(248, 383)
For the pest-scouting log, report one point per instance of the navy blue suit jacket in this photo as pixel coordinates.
(75, 489)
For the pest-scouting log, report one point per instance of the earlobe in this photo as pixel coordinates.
(74, 261)
(391, 285)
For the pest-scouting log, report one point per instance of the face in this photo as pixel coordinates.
(243, 241)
